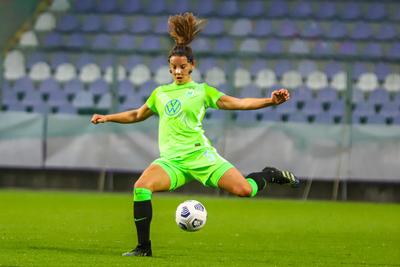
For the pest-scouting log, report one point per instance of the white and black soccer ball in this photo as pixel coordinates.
(191, 215)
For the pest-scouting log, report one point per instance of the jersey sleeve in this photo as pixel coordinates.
(212, 96)
(151, 101)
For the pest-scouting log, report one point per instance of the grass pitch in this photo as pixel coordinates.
(93, 229)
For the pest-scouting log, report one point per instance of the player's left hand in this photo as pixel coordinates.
(280, 96)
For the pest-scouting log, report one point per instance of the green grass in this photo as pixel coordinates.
(93, 229)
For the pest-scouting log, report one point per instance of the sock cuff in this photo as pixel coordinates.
(141, 194)
(254, 187)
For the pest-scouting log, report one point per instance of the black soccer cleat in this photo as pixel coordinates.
(140, 251)
(282, 177)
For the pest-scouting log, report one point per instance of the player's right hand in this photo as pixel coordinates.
(97, 118)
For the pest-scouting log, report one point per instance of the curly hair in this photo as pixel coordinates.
(183, 28)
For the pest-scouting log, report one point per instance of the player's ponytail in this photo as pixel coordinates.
(183, 29)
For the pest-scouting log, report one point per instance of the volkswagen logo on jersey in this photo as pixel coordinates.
(173, 107)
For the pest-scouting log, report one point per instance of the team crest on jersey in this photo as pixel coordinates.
(190, 93)
(173, 107)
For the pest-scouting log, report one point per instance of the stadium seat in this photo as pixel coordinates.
(115, 24)
(106, 6)
(299, 46)
(250, 91)
(374, 50)
(339, 81)
(286, 108)
(139, 74)
(241, 78)
(265, 78)
(270, 114)
(337, 108)
(291, 79)
(327, 95)
(379, 97)
(375, 119)
(323, 48)
(65, 72)
(205, 8)
(364, 109)
(67, 23)
(224, 45)
(306, 67)
(73, 87)
(317, 80)
(66, 108)
(325, 10)
(52, 40)
(348, 48)
(141, 24)
(126, 42)
(332, 68)
(98, 87)
(45, 22)
(367, 82)
(262, 28)
(162, 75)
(324, 118)
(108, 73)
(29, 39)
(277, 9)
(311, 30)
(215, 27)
(312, 107)
(390, 109)
(60, 5)
(91, 23)
(357, 96)
(336, 30)
(125, 88)
(301, 9)
(105, 102)
(241, 27)
(350, 11)
(381, 70)
(361, 31)
(201, 45)
(102, 42)
(215, 76)
(179, 7)
(274, 46)
(130, 6)
(375, 11)
(57, 98)
(394, 51)
(160, 25)
(83, 101)
(83, 5)
(150, 43)
(228, 8)
(297, 117)
(77, 41)
(48, 86)
(24, 84)
(287, 28)
(283, 66)
(392, 82)
(301, 94)
(247, 115)
(253, 9)
(386, 31)
(156, 7)
(90, 73)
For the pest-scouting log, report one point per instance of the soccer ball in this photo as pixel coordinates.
(191, 215)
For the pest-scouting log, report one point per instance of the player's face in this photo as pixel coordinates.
(180, 69)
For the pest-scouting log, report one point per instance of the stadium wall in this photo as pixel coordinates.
(357, 162)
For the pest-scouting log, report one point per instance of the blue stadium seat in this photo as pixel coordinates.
(394, 51)
(215, 27)
(160, 25)
(390, 109)
(224, 45)
(115, 24)
(361, 31)
(301, 94)
(150, 43)
(84, 59)
(379, 97)
(278, 8)
(312, 107)
(287, 28)
(125, 88)
(102, 41)
(311, 29)
(32, 97)
(91, 23)
(156, 7)
(66, 108)
(297, 117)
(73, 87)
(396, 120)
(215, 114)
(327, 95)
(324, 118)
(106, 6)
(286, 108)
(270, 114)
(382, 70)
(98, 87)
(83, 100)
(375, 119)
(57, 98)
(253, 9)
(350, 11)
(67, 23)
(373, 50)
(262, 28)
(57, 59)
(323, 48)
(76, 40)
(53, 40)
(325, 10)
(37, 107)
(130, 6)
(337, 108)
(35, 57)
(364, 109)
(228, 8)
(126, 42)
(84, 5)
(179, 7)
(348, 48)
(24, 84)
(375, 11)
(358, 69)
(357, 96)
(250, 91)
(105, 102)
(301, 9)
(49, 85)
(274, 46)
(15, 106)
(201, 45)
(332, 68)
(247, 115)
(336, 30)
(386, 31)
(141, 24)
(205, 8)
(283, 66)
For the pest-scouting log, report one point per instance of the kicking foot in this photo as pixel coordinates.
(282, 177)
(139, 251)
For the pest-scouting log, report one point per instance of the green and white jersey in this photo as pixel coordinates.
(181, 109)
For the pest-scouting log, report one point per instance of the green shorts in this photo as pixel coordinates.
(205, 166)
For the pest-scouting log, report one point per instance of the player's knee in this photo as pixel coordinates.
(143, 183)
(243, 190)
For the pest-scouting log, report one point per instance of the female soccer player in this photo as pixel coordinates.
(185, 152)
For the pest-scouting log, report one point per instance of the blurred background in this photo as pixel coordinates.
(63, 60)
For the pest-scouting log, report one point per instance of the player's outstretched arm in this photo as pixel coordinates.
(232, 103)
(130, 116)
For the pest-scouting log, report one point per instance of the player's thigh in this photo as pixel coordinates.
(154, 178)
(234, 182)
